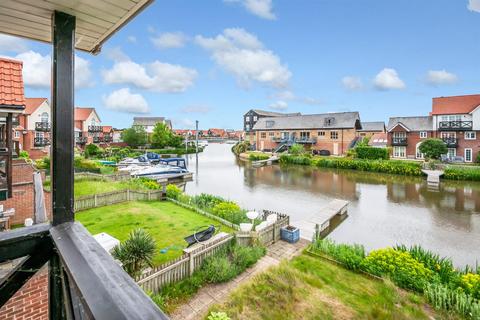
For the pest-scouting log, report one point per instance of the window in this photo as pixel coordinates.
(38, 134)
(271, 134)
(446, 135)
(329, 121)
(470, 135)
(468, 155)
(334, 135)
(17, 134)
(263, 135)
(284, 135)
(44, 117)
(454, 117)
(418, 154)
(247, 127)
(304, 135)
(269, 123)
(452, 152)
(321, 133)
(399, 152)
(423, 134)
(247, 118)
(255, 118)
(400, 134)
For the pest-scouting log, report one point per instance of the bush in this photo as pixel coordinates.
(173, 192)
(255, 156)
(433, 148)
(241, 147)
(24, 155)
(471, 283)
(457, 173)
(245, 257)
(350, 255)
(371, 153)
(206, 201)
(218, 316)
(92, 150)
(43, 163)
(230, 211)
(400, 266)
(296, 149)
(218, 269)
(135, 253)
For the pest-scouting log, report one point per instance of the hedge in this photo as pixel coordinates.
(372, 153)
(453, 173)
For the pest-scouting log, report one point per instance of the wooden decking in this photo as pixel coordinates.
(322, 218)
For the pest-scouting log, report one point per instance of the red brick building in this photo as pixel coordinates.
(88, 128)
(405, 134)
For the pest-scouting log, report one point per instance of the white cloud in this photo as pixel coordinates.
(352, 83)
(474, 5)
(156, 76)
(243, 55)
(12, 44)
(169, 40)
(37, 70)
(288, 95)
(124, 101)
(279, 105)
(132, 39)
(260, 8)
(439, 77)
(184, 123)
(388, 79)
(116, 54)
(196, 109)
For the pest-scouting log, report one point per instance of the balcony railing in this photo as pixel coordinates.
(450, 142)
(95, 129)
(42, 126)
(399, 141)
(295, 140)
(41, 142)
(305, 140)
(97, 139)
(80, 140)
(455, 125)
(107, 139)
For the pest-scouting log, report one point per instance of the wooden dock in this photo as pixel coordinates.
(433, 176)
(268, 162)
(320, 219)
(176, 179)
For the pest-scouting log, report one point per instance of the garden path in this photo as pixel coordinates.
(211, 294)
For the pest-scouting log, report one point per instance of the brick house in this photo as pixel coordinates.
(405, 134)
(332, 132)
(88, 127)
(370, 128)
(33, 130)
(251, 117)
(148, 123)
(456, 120)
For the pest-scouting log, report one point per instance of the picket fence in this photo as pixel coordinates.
(109, 198)
(119, 176)
(266, 236)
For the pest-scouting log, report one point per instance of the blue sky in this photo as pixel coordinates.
(213, 60)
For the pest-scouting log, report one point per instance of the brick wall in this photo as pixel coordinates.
(413, 138)
(31, 301)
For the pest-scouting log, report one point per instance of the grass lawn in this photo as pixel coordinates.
(165, 221)
(84, 186)
(311, 288)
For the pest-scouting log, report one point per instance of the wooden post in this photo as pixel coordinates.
(191, 263)
(95, 200)
(149, 195)
(9, 145)
(63, 38)
(128, 194)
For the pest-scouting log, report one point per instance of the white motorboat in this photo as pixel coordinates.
(138, 161)
(158, 171)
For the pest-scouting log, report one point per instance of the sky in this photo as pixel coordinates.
(213, 60)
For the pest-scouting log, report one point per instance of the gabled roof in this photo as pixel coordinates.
(32, 104)
(340, 120)
(106, 129)
(378, 140)
(273, 114)
(373, 126)
(147, 121)
(423, 123)
(82, 114)
(455, 105)
(11, 84)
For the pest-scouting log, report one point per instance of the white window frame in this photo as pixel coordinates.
(17, 134)
(418, 154)
(255, 118)
(399, 152)
(468, 137)
(465, 154)
(423, 134)
(451, 151)
(399, 134)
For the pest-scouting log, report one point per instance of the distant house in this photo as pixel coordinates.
(148, 123)
(251, 117)
(334, 133)
(88, 127)
(405, 134)
(370, 128)
(117, 135)
(217, 133)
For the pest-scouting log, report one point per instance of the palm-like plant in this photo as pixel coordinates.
(136, 253)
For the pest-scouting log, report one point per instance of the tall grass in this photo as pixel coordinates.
(443, 297)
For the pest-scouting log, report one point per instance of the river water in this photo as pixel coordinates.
(384, 209)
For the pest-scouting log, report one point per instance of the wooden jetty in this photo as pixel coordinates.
(268, 162)
(320, 221)
(433, 176)
(175, 179)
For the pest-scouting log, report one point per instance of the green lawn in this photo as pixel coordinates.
(165, 221)
(84, 186)
(311, 288)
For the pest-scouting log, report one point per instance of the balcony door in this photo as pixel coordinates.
(399, 135)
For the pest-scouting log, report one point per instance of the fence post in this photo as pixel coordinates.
(128, 194)
(149, 195)
(95, 200)
(191, 263)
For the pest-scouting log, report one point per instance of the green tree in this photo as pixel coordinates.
(296, 149)
(433, 148)
(162, 136)
(136, 253)
(135, 136)
(93, 150)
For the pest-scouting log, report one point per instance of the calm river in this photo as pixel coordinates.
(384, 209)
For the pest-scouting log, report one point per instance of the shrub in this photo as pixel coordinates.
(43, 163)
(258, 156)
(443, 297)
(350, 255)
(296, 149)
(245, 257)
(371, 153)
(471, 283)
(218, 269)
(241, 147)
(218, 316)
(400, 266)
(433, 148)
(173, 192)
(206, 201)
(135, 253)
(230, 211)
(24, 155)
(456, 173)
(93, 150)
(149, 184)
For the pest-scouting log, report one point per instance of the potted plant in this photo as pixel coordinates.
(290, 234)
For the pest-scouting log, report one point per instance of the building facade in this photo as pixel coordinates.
(148, 123)
(251, 117)
(88, 127)
(330, 133)
(405, 134)
(370, 128)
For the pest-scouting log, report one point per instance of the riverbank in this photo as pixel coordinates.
(401, 167)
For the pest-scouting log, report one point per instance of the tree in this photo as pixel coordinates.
(93, 150)
(162, 135)
(136, 253)
(433, 148)
(135, 136)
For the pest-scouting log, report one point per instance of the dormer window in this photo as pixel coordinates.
(44, 117)
(270, 123)
(329, 121)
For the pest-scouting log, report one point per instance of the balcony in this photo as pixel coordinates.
(42, 126)
(399, 142)
(455, 125)
(41, 142)
(80, 140)
(305, 140)
(451, 142)
(107, 139)
(95, 129)
(97, 139)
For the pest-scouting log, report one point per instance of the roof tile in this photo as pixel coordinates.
(11, 84)
(455, 105)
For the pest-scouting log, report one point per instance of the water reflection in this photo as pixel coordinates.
(384, 209)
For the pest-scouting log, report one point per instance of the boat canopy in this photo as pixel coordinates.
(177, 162)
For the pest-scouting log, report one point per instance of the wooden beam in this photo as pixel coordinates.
(63, 35)
(9, 155)
(22, 241)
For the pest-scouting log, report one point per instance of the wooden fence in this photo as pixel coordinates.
(109, 198)
(183, 266)
(267, 236)
(120, 176)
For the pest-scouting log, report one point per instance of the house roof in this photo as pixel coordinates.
(32, 104)
(373, 126)
(378, 140)
(107, 129)
(274, 114)
(147, 121)
(339, 120)
(455, 104)
(96, 21)
(82, 114)
(423, 123)
(11, 84)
